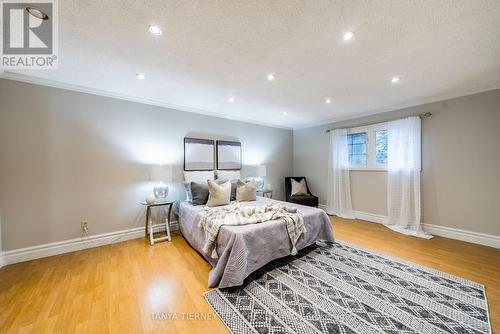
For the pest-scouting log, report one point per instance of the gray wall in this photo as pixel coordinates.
(67, 156)
(460, 157)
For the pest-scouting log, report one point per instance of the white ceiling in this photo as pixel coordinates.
(211, 50)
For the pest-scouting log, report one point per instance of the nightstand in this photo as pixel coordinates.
(148, 229)
(265, 193)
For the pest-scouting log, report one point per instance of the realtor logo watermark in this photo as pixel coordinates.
(29, 34)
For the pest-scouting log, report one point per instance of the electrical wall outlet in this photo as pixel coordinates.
(84, 226)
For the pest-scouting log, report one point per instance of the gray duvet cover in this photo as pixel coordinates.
(245, 248)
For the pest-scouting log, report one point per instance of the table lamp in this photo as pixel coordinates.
(160, 175)
(260, 173)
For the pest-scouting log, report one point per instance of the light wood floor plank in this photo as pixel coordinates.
(117, 288)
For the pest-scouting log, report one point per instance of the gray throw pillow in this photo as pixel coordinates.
(234, 184)
(199, 193)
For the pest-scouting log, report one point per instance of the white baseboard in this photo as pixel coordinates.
(464, 235)
(60, 247)
(66, 246)
(371, 217)
(1, 249)
(442, 231)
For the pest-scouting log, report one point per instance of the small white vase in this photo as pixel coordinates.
(150, 199)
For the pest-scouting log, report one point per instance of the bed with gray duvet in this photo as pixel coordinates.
(243, 249)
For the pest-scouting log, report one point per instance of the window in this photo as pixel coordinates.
(357, 148)
(368, 147)
(381, 147)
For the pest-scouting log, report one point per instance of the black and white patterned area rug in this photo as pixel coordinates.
(342, 288)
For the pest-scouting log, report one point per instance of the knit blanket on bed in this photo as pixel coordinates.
(236, 214)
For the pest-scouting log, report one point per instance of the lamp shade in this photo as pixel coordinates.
(161, 173)
(261, 171)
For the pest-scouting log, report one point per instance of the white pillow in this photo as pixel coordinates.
(199, 176)
(228, 175)
(245, 191)
(299, 188)
(219, 194)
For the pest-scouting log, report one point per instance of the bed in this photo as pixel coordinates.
(245, 248)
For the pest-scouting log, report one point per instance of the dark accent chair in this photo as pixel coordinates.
(309, 199)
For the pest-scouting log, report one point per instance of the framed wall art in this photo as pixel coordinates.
(228, 155)
(199, 154)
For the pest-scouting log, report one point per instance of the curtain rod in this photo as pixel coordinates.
(424, 115)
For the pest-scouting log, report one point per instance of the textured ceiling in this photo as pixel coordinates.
(211, 50)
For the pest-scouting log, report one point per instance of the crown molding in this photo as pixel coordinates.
(414, 103)
(89, 90)
(330, 121)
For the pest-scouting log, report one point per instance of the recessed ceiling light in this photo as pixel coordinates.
(395, 79)
(328, 101)
(348, 35)
(37, 13)
(270, 77)
(155, 30)
(285, 113)
(231, 99)
(140, 76)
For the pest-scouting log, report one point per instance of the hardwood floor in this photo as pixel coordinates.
(131, 287)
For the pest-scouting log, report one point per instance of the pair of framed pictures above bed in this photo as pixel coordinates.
(203, 154)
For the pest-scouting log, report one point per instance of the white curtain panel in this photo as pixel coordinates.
(338, 200)
(404, 166)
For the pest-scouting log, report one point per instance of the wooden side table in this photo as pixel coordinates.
(265, 193)
(148, 229)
